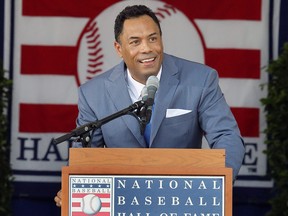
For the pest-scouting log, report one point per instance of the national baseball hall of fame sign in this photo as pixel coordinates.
(146, 195)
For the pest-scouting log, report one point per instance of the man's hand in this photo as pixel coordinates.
(58, 198)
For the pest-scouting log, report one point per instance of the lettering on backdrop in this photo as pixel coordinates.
(29, 150)
(251, 158)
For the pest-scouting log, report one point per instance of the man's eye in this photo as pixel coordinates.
(134, 42)
(153, 39)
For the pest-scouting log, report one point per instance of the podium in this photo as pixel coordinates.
(127, 182)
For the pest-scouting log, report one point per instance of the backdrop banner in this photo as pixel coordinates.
(54, 46)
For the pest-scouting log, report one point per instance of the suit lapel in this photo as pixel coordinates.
(168, 84)
(116, 85)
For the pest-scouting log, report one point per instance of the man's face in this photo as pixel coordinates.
(141, 47)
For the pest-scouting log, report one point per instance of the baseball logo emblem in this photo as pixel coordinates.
(96, 52)
(91, 204)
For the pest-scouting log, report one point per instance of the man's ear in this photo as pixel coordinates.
(118, 48)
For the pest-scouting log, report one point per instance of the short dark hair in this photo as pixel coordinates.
(132, 12)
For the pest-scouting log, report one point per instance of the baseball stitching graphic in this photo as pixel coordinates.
(96, 52)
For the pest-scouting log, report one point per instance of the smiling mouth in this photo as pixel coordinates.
(148, 60)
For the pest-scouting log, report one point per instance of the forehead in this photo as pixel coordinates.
(140, 25)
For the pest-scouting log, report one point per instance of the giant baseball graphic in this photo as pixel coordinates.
(96, 51)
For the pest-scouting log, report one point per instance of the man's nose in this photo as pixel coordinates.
(145, 46)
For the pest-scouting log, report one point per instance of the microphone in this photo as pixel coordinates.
(83, 131)
(143, 109)
(152, 85)
(144, 94)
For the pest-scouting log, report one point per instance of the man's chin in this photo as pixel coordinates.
(150, 71)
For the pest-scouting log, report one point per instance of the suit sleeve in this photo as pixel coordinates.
(87, 115)
(219, 125)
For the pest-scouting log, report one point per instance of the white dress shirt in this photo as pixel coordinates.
(135, 87)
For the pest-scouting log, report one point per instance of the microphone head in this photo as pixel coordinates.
(152, 81)
(152, 85)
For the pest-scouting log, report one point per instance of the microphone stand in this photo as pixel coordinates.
(137, 109)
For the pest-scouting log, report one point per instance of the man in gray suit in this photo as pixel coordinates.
(188, 105)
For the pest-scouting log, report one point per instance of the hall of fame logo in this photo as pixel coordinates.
(90, 195)
(96, 52)
(146, 195)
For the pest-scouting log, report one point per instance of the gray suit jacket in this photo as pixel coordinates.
(183, 85)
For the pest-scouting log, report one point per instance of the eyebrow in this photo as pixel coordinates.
(134, 37)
